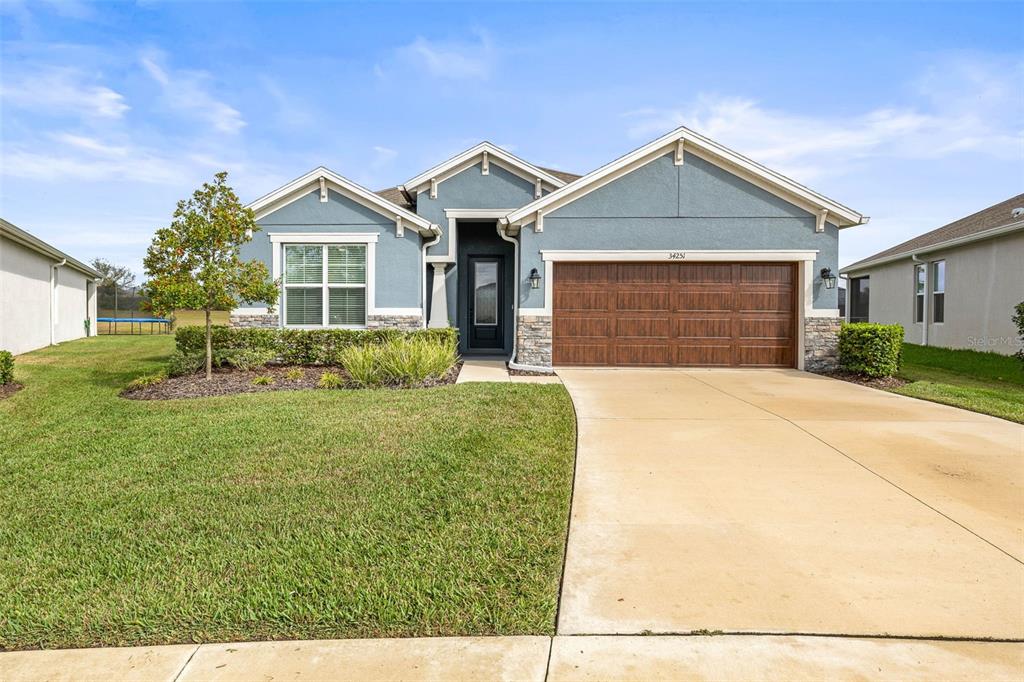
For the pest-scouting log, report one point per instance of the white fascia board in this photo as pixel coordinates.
(301, 186)
(495, 155)
(761, 255)
(706, 149)
(948, 244)
(323, 237)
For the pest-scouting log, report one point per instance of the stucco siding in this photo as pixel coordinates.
(25, 300)
(696, 206)
(398, 264)
(472, 189)
(984, 281)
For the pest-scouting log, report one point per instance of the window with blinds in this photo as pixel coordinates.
(312, 280)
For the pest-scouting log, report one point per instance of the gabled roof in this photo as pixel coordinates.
(396, 196)
(301, 186)
(472, 156)
(682, 141)
(15, 233)
(988, 222)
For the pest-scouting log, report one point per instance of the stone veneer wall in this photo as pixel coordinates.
(404, 322)
(533, 346)
(252, 320)
(821, 344)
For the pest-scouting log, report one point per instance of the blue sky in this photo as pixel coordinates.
(910, 113)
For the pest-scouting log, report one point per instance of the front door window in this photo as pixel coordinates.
(485, 293)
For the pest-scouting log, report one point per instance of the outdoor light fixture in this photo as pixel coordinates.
(534, 279)
(828, 278)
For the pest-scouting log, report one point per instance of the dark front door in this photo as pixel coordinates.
(486, 303)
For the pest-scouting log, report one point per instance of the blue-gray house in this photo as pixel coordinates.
(680, 253)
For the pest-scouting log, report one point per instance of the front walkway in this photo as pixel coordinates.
(528, 659)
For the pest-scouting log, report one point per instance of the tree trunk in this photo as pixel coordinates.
(209, 346)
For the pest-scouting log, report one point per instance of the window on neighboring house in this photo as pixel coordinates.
(919, 292)
(939, 291)
(321, 291)
(859, 291)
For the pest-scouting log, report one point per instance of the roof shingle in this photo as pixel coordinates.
(994, 216)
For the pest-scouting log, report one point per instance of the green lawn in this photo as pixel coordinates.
(308, 514)
(983, 382)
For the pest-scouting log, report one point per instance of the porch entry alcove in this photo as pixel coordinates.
(485, 275)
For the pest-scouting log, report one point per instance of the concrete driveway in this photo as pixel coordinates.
(783, 502)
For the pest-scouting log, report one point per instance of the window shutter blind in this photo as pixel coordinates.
(347, 306)
(303, 264)
(304, 306)
(346, 264)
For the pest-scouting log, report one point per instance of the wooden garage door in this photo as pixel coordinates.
(675, 314)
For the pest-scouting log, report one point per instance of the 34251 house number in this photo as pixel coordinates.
(676, 255)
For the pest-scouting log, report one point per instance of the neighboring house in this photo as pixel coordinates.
(954, 287)
(46, 296)
(681, 252)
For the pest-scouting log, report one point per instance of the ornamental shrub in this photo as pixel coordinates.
(400, 362)
(244, 359)
(300, 346)
(185, 363)
(874, 350)
(6, 367)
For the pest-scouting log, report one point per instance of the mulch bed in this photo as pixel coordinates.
(232, 381)
(7, 390)
(883, 383)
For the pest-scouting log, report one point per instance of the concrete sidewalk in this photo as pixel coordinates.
(529, 659)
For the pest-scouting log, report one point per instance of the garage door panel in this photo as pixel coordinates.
(781, 328)
(703, 301)
(765, 356)
(582, 327)
(640, 354)
(704, 328)
(703, 355)
(643, 327)
(643, 300)
(643, 273)
(685, 314)
(583, 301)
(583, 273)
(580, 354)
(760, 301)
(704, 273)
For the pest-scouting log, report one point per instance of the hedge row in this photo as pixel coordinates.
(874, 350)
(298, 346)
(6, 367)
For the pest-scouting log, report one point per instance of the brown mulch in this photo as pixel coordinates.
(7, 390)
(227, 381)
(883, 383)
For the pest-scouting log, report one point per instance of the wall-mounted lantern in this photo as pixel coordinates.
(828, 278)
(534, 279)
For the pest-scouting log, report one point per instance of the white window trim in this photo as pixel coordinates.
(923, 295)
(932, 281)
(278, 242)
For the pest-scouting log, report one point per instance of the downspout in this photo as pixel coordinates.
(924, 302)
(53, 297)
(515, 294)
(515, 311)
(423, 272)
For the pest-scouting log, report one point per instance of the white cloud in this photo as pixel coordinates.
(62, 91)
(449, 60)
(382, 156)
(977, 109)
(188, 92)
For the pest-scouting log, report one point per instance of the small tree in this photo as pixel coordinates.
(114, 276)
(194, 263)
